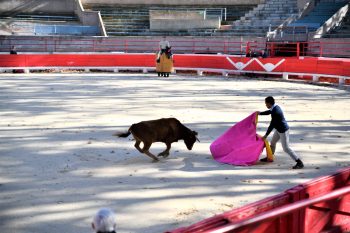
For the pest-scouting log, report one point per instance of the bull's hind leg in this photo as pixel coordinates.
(146, 151)
(166, 152)
(137, 146)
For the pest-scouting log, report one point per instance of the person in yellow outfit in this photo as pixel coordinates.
(164, 59)
(163, 45)
(279, 123)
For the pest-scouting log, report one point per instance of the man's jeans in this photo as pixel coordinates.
(285, 144)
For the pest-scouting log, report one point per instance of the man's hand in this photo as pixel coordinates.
(264, 137)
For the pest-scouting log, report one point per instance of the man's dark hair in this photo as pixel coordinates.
(270, 100)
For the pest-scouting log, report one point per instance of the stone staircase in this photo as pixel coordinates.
(266, 16)
(121, 20)
(342, 30)
(323, 10)
(124, 21)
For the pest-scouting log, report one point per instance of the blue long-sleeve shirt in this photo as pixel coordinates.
(278, 121)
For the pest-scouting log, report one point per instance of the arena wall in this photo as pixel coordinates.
(335, 70)
(25, 6)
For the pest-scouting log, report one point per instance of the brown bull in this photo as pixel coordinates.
(167, 130)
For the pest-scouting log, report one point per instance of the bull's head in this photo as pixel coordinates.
(190, 138)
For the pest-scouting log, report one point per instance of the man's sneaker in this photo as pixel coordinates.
(299, 165)
(265, 160)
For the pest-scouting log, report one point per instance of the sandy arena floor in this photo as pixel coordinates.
(60, 162)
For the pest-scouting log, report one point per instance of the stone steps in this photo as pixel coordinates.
(272, 12)
(341, 31)
(319, 15)
(122, 20)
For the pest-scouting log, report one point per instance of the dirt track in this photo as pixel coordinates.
(60, 162)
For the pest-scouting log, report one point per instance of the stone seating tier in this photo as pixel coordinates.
(134, 20)
(342, 30)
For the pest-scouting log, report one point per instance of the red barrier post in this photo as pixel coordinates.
(247, 48)
(298, 50)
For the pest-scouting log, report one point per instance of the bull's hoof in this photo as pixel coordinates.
(164, 154)
(155, 160)
(160, 154)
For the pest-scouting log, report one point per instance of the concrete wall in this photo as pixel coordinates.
(164, 14)
(181, 20)
(49, 6)
(175, 2)
(90, 18)
(87, 17)
(183, 24)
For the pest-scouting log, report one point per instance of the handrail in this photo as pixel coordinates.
(278, 212)
(64, 17)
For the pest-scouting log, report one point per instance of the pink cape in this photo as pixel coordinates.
(239, 145)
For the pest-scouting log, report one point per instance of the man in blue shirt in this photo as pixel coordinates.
(279, 123)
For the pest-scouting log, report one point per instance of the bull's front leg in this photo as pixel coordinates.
(149, 154)
(166, 152)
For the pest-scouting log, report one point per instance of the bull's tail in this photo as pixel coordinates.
(122, 135)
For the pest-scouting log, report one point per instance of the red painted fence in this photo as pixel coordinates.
(321, 205)
(334, 67)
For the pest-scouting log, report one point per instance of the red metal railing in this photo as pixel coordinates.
(331, 48)
(297, 49)
(130, 45)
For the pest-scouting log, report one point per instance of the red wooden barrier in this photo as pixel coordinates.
(77, 60)
(259, 220)
(337, 67)
(279, 214)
